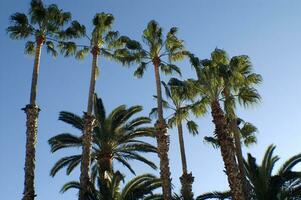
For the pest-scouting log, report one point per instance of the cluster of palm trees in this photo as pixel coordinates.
(221, 84)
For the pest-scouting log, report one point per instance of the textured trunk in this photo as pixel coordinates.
(227, 151)
(162, 138)
(240, 159)
(88, 131)
(186, 179)
(105, 166)
(32, 112)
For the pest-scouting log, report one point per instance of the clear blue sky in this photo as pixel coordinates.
(268, 31)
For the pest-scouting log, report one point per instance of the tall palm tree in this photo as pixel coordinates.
(209, 86)
(240, 81)
(157, 48)
(140, 187)
(266, 185)
(109, 44)
(45, 25)
(180, 99)
(116, 137)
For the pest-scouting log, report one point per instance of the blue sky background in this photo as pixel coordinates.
(268, 31)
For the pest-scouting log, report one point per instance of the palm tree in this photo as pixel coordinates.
(283, 185)
(103, 42)
(180, 96)
(140, 187)
(240, 81)
(158, 48)
(265, 185)
(116, 137)
(209, 86)
(44, 24)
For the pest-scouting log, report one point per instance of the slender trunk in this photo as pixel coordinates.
(162, 138)
(186, 179)
(32, 113)
(227, 151)
(88, 131)
(182, 148)
(240, 159)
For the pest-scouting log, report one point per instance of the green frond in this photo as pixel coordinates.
(30, 48)
(219, 56)
(140, 70)
(72, 119)
(51, 48)
(70, 185)
(67, 48)
(215, 195)
(213, 141)
(192, 127)
(82, 53)
(64, 162)
(248, 96)
(289, 164)
(64, 140)
(199, 108)
(38, 13)
(75, 30)
(153, 113)
(170, 69)
(20, 27)
(99, 110)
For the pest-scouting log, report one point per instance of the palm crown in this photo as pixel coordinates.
(158, 47)
(115, 137)
(180, 102)
(102, 41)
(46, 24)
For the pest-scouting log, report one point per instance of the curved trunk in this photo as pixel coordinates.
(32, 112)
(186, 179)
(240, 159)
(227, 151)
(162, 138)
(88, 129)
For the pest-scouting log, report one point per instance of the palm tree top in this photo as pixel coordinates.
(118, 136)
(221, 76)
(159, 49)
(46, 24)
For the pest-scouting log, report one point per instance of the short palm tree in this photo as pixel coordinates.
(108, 44)
(283, 185)
(140, 187)
(157, 48)
(45, 25)
(180, 99)
(116, 137)
(209, 86)
(266, 185)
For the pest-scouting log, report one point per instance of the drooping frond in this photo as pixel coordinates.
(215, 195)
(20, 27)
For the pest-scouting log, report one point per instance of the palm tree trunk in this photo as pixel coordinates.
(88, 129)
(186, 179)
(32, 113)
(105, 166)
(162, 138)
(227, 151)
(240, 159)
